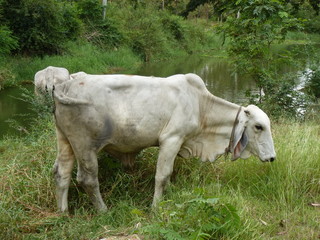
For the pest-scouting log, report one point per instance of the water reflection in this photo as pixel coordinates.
(13, 110)
(215, 72)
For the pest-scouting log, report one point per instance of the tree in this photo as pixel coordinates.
(40, 26)
(7, 41)
(251, 27)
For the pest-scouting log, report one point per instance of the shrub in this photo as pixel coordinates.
(90, 10)
(105, 35)
(313, 82)
(310, 17)
(174, 25)
(41, 26)
(199, 218)
(145, 33)
(7, 41)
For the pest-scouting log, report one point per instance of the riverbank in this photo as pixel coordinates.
(249, 199)
(84, 56)
(150, 43)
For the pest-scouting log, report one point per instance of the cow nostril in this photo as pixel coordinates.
(272, 159)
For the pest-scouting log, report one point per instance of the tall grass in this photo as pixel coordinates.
(245, 199)
(128, 37)
(82, 56)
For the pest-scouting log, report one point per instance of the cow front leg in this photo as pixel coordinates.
(62, 169)
(169, 149)
(87, 177)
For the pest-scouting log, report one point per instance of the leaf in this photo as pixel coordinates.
(170, 234)
(283, 14)
(137, 212)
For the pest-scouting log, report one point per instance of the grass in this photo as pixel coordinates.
(81, 56)
(301, 38)
(245, 199)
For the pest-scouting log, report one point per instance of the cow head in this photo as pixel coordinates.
(252, 135)
(46, 79)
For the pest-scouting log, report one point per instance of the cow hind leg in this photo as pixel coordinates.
(62, 170)
(87, 177)
(169, 149)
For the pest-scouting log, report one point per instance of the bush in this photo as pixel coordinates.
(41, 26)
(311, 19)
(198, 218)
(7, 41)
(313, 82)
(174, 25)
(90, 10)
(105, 35)
(144, 33)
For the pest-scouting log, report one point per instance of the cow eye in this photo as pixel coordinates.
(259, 127)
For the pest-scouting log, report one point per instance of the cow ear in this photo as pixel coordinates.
(240, 146)
(240, 140)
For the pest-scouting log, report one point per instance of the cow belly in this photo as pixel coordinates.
(124, 142)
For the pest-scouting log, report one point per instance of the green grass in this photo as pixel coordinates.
(255, 200)
(81, 56)
(302, 38)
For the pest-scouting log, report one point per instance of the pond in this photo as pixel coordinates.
(216, 73)
(15, 113)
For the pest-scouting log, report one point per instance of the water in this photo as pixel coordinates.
(216, 73)
(15, 114)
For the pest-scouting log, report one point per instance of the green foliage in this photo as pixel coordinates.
(313, 81)
(40, 26)
(81, 56)
(310, 17)
(90, 10)
(251, 29)
(104, 35)
(144, 33)
(7, 41)
(282, 100)
(199, 218)
(44, 27)
(254, 25)
(227, 200)
(7, 78)
(174, 25)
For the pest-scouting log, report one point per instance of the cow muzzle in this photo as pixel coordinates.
(269, 159)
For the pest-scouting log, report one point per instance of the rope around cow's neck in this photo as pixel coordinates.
(231, 141)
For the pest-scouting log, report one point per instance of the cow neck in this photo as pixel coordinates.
(218, 117)
(217, 111)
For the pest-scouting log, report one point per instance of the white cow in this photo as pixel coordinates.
(124, 114)
(46, 78)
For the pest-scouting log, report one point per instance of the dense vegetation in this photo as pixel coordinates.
(73, 34)
(36, 33)
(224, 200)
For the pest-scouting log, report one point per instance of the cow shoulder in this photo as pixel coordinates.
(78, 75)
(195, 81)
